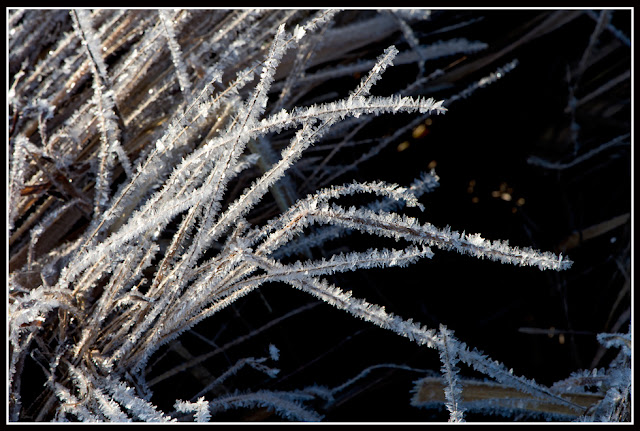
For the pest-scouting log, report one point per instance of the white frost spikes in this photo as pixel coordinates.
(402, 227)
(176, 52)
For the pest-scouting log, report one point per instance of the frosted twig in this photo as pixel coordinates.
(176, 52)
(105, 104)
(278, 401)
(620, 140)
(453, 389)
